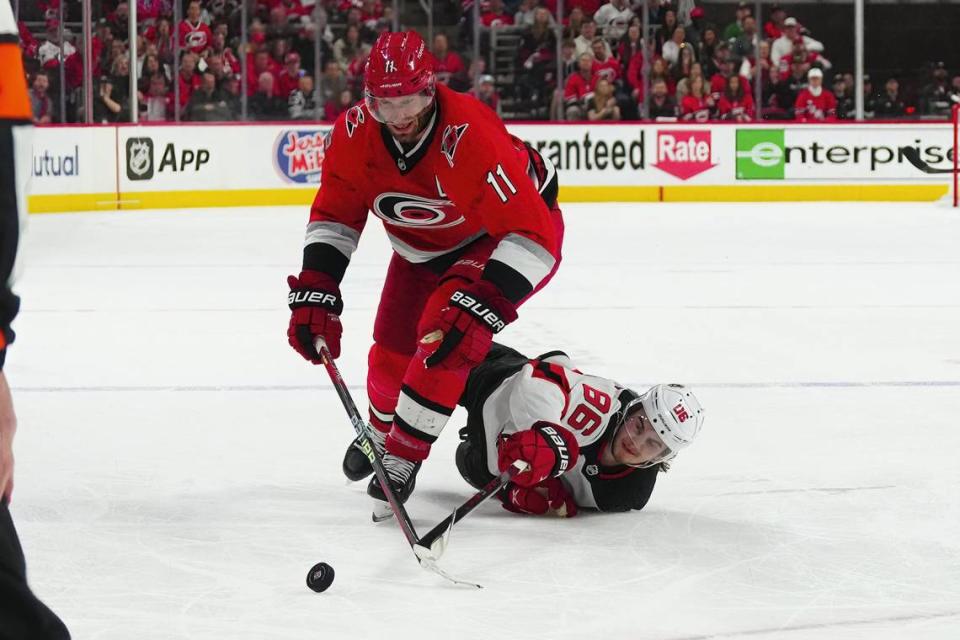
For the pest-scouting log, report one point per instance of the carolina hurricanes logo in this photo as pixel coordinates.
(450, 140)
(195, 39)
(354, 119)
(405, 210)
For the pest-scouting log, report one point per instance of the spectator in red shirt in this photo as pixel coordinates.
(289, 77)
(774, 27)
(193, 33)
(261, 64)
(231, 65)
(604, 66)
(814, 102)
(149, 11)
(579, 88)
(496, 16)
(735, 103)
(188, 78)
(101, 45)
(448, 64)
(29, 44)
(633, 68)
(698, 105)
(333, 108)
(162, 36)
(370, 13)
(719, 81)
(355, 71)
(759, 63)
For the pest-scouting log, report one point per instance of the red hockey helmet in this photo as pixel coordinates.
(399, 80)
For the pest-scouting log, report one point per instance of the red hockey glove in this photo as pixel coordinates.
(550, 450)
(467, 324)
(316, 305)
(547, 498)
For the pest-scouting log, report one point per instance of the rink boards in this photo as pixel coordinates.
(77, 168)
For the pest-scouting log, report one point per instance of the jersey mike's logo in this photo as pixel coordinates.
(299, 155)
(405, 210)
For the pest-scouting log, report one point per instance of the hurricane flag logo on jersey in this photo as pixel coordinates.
(298, 155)
(354, 119)
(405, 210)
(450, 140)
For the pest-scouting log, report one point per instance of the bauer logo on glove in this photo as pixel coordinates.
(304, 297)
(561, 451)
(479, 309)
(549, 451)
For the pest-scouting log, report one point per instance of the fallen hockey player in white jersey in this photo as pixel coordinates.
(590, 442)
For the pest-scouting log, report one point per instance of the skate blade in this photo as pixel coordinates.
(381, 511)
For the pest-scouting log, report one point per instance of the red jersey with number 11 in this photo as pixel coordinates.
(466, 177)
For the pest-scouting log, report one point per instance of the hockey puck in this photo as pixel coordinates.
(320, 577)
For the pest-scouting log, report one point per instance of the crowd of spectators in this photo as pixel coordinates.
(696, 69)
(702, 71)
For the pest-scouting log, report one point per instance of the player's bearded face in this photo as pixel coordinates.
(637, 443)
(405, 116)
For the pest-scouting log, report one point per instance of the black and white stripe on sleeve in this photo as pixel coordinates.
(518, 265)
(328, 247)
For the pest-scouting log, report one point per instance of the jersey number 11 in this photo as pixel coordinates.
(493, 182)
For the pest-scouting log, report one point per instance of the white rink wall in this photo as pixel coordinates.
(188, 166)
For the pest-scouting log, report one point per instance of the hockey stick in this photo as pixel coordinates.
(434, 543)
(367, 447)
(913, 157)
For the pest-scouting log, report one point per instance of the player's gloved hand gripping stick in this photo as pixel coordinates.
(429, 548)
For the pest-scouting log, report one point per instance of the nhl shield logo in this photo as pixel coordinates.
(354, 119)
(450, 140)
(139, 158)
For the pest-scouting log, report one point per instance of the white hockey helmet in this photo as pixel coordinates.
(674, 413)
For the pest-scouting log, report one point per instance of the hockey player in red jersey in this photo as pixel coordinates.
(472, 216)
(589, 442)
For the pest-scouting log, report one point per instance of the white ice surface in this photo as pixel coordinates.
(178, 466)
